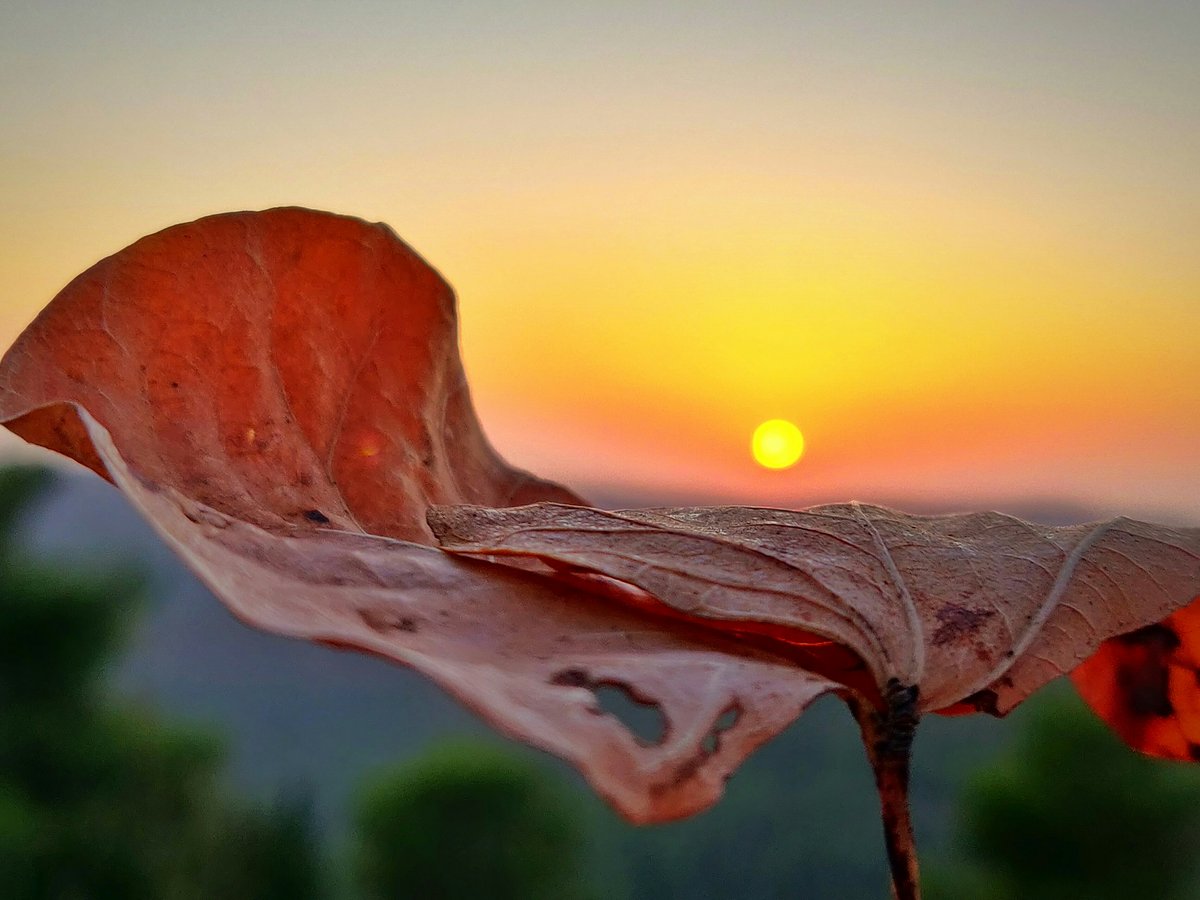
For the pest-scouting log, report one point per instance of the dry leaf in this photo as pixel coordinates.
(981, 606)
(286, 367)
(1146, 685)
(280, 394)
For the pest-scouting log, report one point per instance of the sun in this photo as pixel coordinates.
(777, 444)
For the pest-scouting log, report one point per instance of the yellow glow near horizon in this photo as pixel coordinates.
(958, 242)
(777, 444)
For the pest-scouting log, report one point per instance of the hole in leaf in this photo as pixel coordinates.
(726, 720)
(645, 719)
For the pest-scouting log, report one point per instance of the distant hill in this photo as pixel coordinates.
(1047, 510)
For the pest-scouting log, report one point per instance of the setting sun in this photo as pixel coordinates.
(777, 444)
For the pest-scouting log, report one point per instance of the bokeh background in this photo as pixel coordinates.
(955, 243)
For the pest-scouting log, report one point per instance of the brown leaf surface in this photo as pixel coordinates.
(981, 606)
(285, 367)
(268, 387)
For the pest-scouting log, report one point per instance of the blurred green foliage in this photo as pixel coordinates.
(1070, 811)
(464, 821)
(99, 800)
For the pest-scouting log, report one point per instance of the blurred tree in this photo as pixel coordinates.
(1070, 811)
(468, 820)
(98, 800)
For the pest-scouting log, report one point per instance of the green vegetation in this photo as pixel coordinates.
(99, 800)
(1069, 811)
(468, 820)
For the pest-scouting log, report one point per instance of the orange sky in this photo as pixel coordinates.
(957, 247)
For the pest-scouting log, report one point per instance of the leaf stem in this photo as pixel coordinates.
(888, 735)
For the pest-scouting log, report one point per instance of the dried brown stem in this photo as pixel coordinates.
(888, 735)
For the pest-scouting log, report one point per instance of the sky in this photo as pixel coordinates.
(956, 244)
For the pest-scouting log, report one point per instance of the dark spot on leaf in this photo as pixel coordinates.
(315, 515)
(985, 701)
(1141, 672)
(1145, 685)
(958, 622)
(572, 678)
(174, 384)
(683, 773)
(383, 620)
(1194, 752)
(1154, 637)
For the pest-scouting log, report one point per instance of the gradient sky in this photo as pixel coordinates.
(958, 244)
